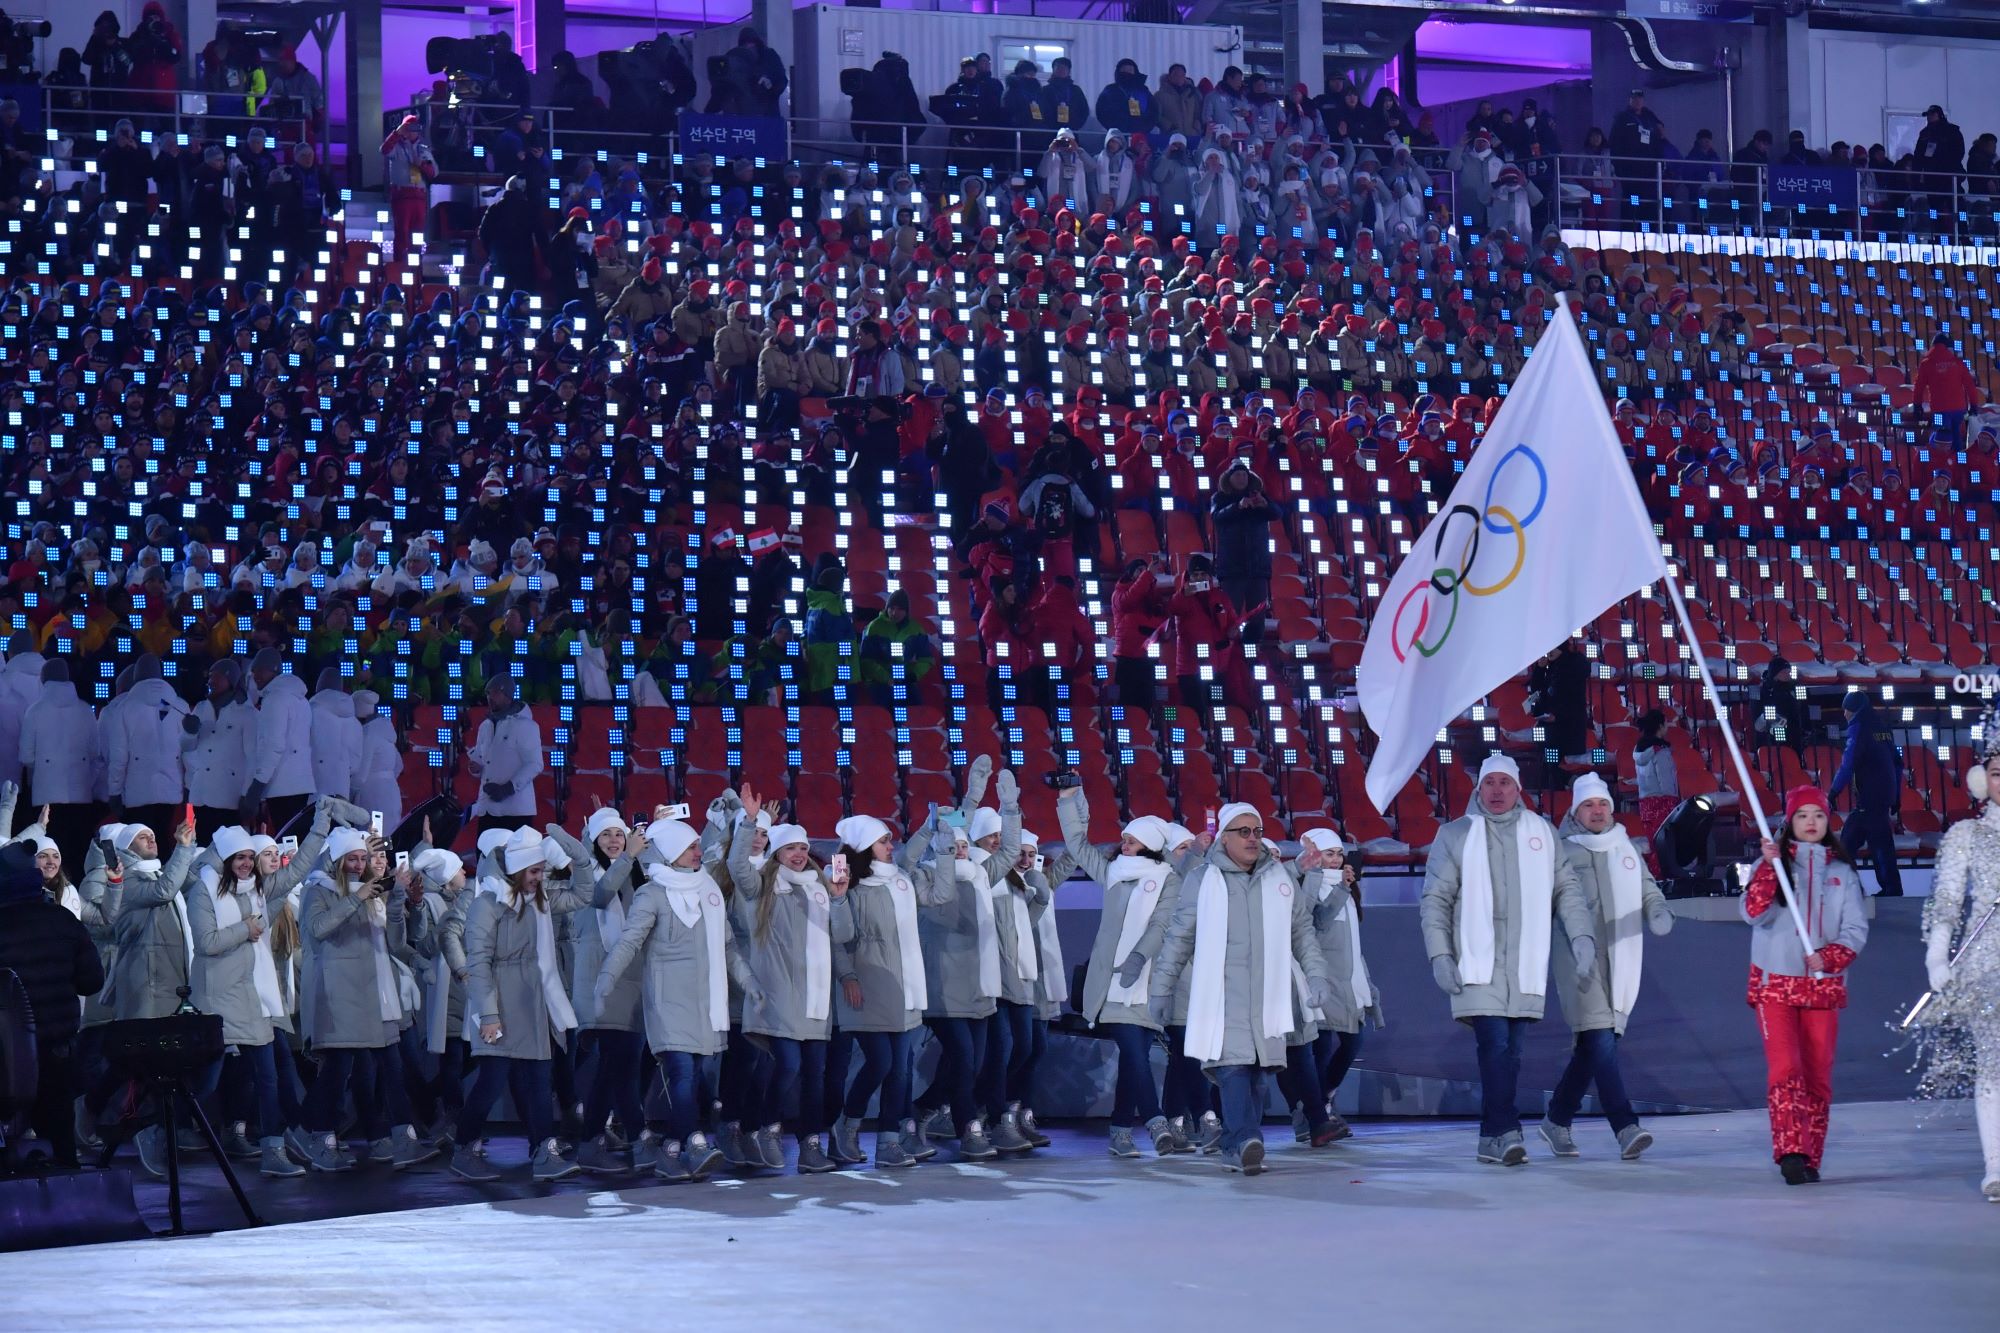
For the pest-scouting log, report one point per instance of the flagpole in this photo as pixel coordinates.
(1673, 582)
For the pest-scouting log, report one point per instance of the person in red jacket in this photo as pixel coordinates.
(1946, 388)
(1138, 608)
(1004, 628)
(1059, 637)
(1206, 626)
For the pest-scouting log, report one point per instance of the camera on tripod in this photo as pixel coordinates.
(649, 82)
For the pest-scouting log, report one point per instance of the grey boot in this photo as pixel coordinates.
(236, 1142)
(1632, 1140)
(1211, 1133)
(1513, 1151)
(551, 1165)
(729, 1142)
(1341, 1129)
(1302, 1131)
(918, 1142)
(599, 1158)
(1030, 1131)
(765, 1148)
(889, 1151)
(275, 1162)
(1007, 1136)
(645, 1152)
(382, 1150)
(673, 1167)
(1561, 1142)
(1488, 1151)
(468, 1163)
(1164, 1143)
(846, 1145)
(1121, 1142)
(191, 1140)
(411, 1148)
(972, 1144)
(1249, 1159)
(323, 1153)
(1183, 1139)
(152, 1145)
(813, 1160)
(702, 1157)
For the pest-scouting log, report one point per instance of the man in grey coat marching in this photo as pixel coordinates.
(1492, 887)
(1615, 882)
(1239, 924)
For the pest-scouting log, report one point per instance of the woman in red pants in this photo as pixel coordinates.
(1799, 991)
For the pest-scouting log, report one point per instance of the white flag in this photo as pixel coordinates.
(1544, 532)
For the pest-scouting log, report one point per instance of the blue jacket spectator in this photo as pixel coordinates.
(1872, 762)
(1126, 102)
(1064, 107)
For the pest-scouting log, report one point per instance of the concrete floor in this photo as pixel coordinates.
(1398, 1228)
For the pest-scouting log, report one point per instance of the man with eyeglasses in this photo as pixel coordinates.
(1238, 925)
(1494, 884)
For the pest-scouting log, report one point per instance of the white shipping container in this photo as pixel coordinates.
(830, 38)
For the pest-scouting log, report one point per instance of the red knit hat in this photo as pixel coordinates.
(1800, 797)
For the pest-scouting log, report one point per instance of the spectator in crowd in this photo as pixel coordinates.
(887, 114)
(511, 232)
(1637, 140)
(1940, 152)
(1177, 104)
(154, 49)
(506, 757)
(1064, 107)
(753, 78)
(408, 169)
(1873, 763)
(109, 59)
(1946, 388)
(51, 952)
(1126, 104)
(282, 776)
(972, 111)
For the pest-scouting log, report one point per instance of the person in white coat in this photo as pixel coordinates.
(218, 749)
(1066, 177)
(381, 762)
(506, 756)
(282, 779)
(20, 685)
(58, 750)
(1332, 889)
(336, 739)
(142, 750)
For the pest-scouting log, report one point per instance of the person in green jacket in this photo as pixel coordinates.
(888, 633)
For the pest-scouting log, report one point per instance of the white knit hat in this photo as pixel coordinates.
(1234, 811)
(1322, 839)
(229, 841)
(343, 841)
(493, 839)
(670, 837)
(784, 835)
(860, 831)
(985, 823)
(601, 822)
(1588, 787)
(1500, 763)
(523, 850)
(1178, 835)
(1150, 831)
(438, 866)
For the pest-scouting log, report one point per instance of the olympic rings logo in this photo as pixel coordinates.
(1497, 519)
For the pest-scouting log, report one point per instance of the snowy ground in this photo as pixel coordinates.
(1398, 1228)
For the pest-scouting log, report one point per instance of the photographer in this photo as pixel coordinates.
(887, 114)
(155, 49)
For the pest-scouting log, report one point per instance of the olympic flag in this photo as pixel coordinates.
(1544, 531)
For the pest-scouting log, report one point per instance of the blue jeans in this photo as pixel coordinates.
(791, 1084)
(531, 1082)
(961, 1057)
(1010, 1038)
(1021, 1088)
(1498, 1041)
(1133, 1101)
(885, 1064)
(337, 1069)
(1869, 827)
(1242, 1090)
(736, 1075)
(255, 1066)
(1594, 1058)
(691, 1083)
(614, 1084)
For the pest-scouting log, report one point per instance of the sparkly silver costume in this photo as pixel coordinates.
(1961, 1046)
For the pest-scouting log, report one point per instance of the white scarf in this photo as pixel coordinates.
(1146, 876)
(437, 1018)
(1357, 974)
(910, 949)
(1054, 984)
(1620, 915)
(229, 911)
(1535, 850)
(972, 873)
(819, 946)
(1026, 966)
(1208, 988)
(72, 901)
(611, 919)
(387, 993)
(695, 900)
